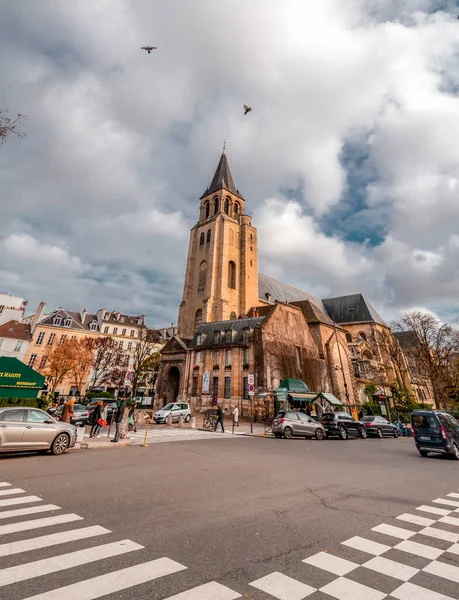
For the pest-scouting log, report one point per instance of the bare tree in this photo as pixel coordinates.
(107, 357)
(60, 360)
(10, 125)
(83, 357)
(141, 366)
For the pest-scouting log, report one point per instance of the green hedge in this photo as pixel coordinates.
(33, 402)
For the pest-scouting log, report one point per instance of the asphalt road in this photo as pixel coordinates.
(230, 511)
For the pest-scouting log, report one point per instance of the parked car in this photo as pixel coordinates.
(435, 431)
(175, 409)
(290, 423)
(80, 414)
(32, 429)
(342, 425)
(111, 407)
(379, 426)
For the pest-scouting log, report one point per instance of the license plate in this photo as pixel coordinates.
(424, 437)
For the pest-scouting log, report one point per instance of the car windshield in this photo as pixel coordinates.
(327, 417)
(421, 422)
(367, 419)
(168, 406)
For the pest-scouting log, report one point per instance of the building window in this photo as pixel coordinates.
(32, 359)
(362, 336)
(216, 358)
(202, 278)
(115, 330)
(228, 336)
(93, 326)
(207, 207)
(57, 320)
(349, 338)
(41, 337)
(201, 239)
(228, 358)
(106, 329)
(227, 207)
(194, 386)
(132, 332)
(227, 387)
(232, 275)
(51, 339)
(245, 358)
(129, 347)
(246, 335)
(215, 205)
(217, 337)
(299, 358)
(208, 237)
(199, 340)
(123, 332)
(67, 322)
(236, 208)
(233, 316)
(18, 346)
(63, 338)
(74, 337)
(197, 319)
(246, 388)
(120, 345)
(197, 359)
(251, 263)
(215, 387)
(43, 362)
(251, 239)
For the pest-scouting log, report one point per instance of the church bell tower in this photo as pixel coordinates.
(221, 280)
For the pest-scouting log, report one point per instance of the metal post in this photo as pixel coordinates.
(251, 414)
(144, 445)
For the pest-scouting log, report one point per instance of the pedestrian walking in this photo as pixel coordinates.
(119, 418)
(220, 417)
(102, 422)
(361, 414)
(67, 412)
(96, 415)
(131, 419)
(236, 416)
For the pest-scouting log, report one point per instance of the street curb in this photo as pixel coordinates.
(90, 446)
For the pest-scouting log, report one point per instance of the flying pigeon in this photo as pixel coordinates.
(247, 109)
(148, 48)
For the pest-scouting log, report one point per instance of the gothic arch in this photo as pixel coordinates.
(233, 316)
(236, 208)
(208, 236)
(201, 239)
(232, 275)
(216, 207)
(207, 209)
(227, 206)
(202, 278)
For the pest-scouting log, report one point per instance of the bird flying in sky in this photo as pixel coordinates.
(247, 109)
(148, 48)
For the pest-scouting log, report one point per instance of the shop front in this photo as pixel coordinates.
(17, 380)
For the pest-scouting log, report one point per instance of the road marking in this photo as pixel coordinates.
(103, 585)
(449, 520)
(443, 570)
(409, 591)
(19, 512)
(4, 484)
(419, 549)
(331, 563)
(454, 549)
(65, 561)
(416, 519)
(345, 589)
(22, 500)
(391, 568)
(440, 534)
(434, 510)
(282, 587)
(397, 532)
(38, 523)
(208, 591)
(440, 501)
(52, 539)
(365, 545)
(18, 491)
(453, 495)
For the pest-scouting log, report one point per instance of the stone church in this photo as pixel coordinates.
(234, 321)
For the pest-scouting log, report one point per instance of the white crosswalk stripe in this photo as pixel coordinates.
(208, 591)
(10, 491)
(176, 435)
(4, 484)
(19, 500)
(32, 510)
(434, 510)
(283, 587)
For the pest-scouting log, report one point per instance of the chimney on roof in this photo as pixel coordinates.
(83, 315)
(255, 312)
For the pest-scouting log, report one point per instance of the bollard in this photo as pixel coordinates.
(180, 421)
(169, 419)
(147, 421)
(193, 422)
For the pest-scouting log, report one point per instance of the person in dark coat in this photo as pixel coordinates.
(118, 418)
(219, 419)
(94, 420)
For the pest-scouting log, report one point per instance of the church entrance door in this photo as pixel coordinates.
(173, 384)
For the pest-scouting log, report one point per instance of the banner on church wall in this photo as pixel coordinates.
(206, 382)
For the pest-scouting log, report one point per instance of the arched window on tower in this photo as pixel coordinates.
(208, 236)
(215, 205)
(233, 316)
(202, 276)
(236, 208)
(201, 239)
(207, 207)
(198, 319)
(362, 336)
(227, 206)
(349, 338)
(232, 275)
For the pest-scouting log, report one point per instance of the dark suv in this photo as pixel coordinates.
(435, 431)
(342, 425)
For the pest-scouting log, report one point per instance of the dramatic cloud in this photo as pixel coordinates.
(349, 161)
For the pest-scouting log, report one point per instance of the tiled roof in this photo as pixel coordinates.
(407, 339)
(237, 325)
(75, 316)
(351, 309)
(16, 331)
(312, 313)
(115, 318)
(222, 178)
(282, 292)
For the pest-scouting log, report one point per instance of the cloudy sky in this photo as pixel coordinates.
(349, 161)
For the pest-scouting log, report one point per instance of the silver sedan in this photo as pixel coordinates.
(290, 423)
(26, 429)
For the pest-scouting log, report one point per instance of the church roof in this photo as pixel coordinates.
(312, 313)
(237, 326)
(222, 178)
(270, 290)
(353, 308)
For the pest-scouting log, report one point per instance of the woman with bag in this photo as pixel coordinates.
(67, 412)
(96, 416)
(131, 419)
(102, 422)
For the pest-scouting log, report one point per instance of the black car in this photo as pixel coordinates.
(379, 426)
(342, 425)
(435, 431)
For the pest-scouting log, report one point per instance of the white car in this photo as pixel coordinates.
(175, 409)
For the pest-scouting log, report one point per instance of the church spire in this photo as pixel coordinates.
(222, 177)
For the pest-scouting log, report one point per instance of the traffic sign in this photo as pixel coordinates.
(251, 383)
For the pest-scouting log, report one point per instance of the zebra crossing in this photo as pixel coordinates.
(415, 559)
(31, 567)
(175, 435)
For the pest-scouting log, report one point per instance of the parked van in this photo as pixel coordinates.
(435, 431)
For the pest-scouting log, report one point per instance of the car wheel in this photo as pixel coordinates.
(396, 433)
(81, 424)
(319, 434)
(342, 433)
(187, 418)
(363, 432)
(60, 444)
(423, 453)
(455, 452)
(380, 433)
(288, 433)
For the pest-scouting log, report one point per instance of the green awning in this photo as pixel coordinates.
(330, 398)
(14, 374)
(302, 397)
